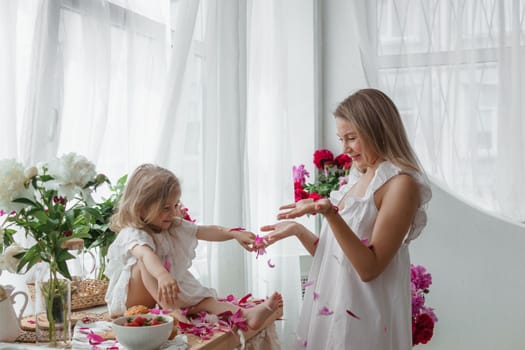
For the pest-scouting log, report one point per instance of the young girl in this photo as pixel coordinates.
(358, 295)
(150, 258)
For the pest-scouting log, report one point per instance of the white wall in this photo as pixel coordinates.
(477, 268)
(475, 259)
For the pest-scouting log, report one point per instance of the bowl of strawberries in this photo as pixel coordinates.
(143, 332)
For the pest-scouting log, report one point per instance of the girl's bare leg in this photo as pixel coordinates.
(142, 290)
(255, 316)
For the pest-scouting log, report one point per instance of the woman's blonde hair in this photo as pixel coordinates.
(146, 193)
(379, 124)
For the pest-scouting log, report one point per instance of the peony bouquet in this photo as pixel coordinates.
(44, 203)
(332, 173)
(423, 317)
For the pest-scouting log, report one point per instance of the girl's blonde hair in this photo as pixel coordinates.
(379, 124)
(146, 193)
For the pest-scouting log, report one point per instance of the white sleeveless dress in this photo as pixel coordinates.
(176, 250)
(339, 310)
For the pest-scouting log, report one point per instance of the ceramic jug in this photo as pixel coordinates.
(10, 328)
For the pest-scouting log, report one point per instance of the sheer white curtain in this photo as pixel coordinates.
(87, 77)
(114, 77)
(456, 70)
(44, 89)
(30, 86)
(270, 135)
(224, 138)
(8, 79)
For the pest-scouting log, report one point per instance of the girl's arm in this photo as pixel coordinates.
(214, 233)
(397, 202)
(290, 228)
(167, 287)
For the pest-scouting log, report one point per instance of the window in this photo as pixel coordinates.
(444, 64)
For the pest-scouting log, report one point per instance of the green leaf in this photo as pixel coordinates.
(27, 201)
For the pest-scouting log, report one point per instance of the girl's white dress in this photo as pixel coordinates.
(176, 250)
(345, 312)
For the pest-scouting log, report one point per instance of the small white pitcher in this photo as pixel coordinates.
(10, 328)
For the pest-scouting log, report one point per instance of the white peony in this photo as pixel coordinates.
(8, 261)
(1, 236)
(30, 172)
(12, 185)
(71, 172)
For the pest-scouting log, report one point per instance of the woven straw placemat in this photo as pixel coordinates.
(28, 334)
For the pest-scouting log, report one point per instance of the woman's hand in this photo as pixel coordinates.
(167, 288)
(245, 238)
(304, 206)
(280, 230)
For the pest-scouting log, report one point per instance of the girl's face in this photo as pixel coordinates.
(353, 145)
(167, 214)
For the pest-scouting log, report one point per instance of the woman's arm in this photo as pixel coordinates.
(397, 202)
(214, 233)
(290, 228)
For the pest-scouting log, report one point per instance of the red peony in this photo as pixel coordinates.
(315, 196)
(299, 192)
(322, 158)
(343, 161)
(422, 329)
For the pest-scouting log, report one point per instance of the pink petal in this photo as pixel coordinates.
(308, 284)
(95, 339)
(365, 241)
(244, 298)
(260, 244)
(325, 311)
(167, 265)
(352, 314)
(270, 263)
(316, 296)
(31, 321)
(238, 229)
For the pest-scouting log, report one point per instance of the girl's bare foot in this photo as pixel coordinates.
(257, 315)
(178, 315)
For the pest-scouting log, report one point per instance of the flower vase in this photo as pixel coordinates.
(53, 311)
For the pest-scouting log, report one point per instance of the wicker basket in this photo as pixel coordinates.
(84, 293)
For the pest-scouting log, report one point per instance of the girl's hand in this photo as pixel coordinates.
(280, 230)
(304, 206)
(245, 239)
(167, 288)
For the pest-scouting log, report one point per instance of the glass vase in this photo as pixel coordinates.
(53, 311)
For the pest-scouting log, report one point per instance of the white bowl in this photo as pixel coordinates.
(145, 337)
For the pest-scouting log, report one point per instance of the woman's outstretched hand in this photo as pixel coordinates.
(279, 231)
(303, 207)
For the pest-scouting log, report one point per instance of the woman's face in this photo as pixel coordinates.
(353, 145)
(167, 214)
